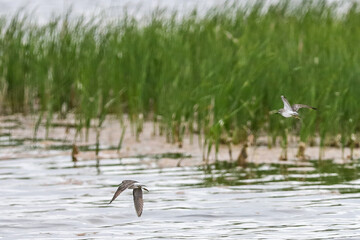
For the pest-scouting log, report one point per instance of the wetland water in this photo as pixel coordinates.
(50, 198)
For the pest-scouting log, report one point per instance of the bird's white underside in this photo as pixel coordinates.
(288, 114)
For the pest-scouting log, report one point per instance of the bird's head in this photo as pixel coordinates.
(142, 187)
(280, 111)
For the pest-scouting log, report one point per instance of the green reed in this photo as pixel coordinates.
(217, 75)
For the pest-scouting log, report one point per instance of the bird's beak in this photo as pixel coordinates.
(145, 189)
(297, 117)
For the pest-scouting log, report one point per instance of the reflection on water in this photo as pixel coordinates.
(321, 173)
(52, 198)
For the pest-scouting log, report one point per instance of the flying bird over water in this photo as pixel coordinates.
(291, 111)
(137, 194)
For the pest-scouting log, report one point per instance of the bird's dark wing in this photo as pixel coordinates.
(138, 201)
(287, 105)
(124, 185)
(296, 107)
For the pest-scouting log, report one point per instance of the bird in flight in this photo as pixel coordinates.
(291, 111)
(137, 194)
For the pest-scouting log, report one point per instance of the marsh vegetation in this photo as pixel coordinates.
(87, 103)
(217, 75)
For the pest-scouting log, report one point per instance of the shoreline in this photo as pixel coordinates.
(20, 129)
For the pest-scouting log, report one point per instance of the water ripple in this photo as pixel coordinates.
(50, 198)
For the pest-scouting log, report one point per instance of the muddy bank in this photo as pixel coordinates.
(17, 140)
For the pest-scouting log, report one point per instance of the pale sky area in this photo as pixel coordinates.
(43, 10)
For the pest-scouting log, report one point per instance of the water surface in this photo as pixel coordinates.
(50, 198)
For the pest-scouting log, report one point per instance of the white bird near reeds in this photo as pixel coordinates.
(291, 111)
(137, 194)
